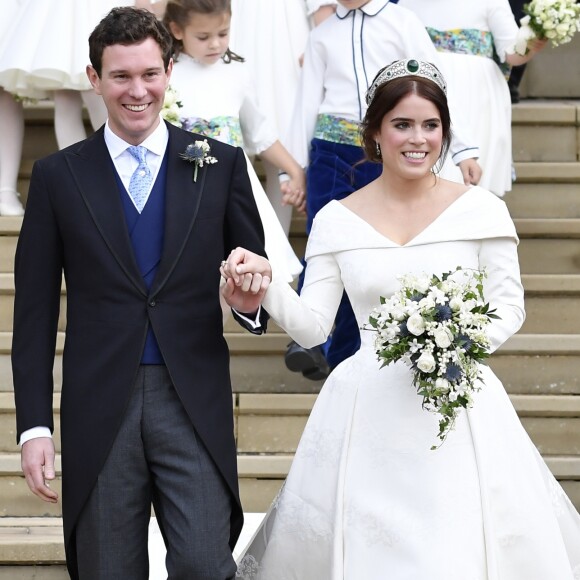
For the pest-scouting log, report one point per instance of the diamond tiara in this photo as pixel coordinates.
(406, 68)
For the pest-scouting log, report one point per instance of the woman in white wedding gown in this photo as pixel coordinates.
(366, 498)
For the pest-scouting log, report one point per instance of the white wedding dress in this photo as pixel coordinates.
(366, 498)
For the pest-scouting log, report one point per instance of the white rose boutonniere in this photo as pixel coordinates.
(198, 154)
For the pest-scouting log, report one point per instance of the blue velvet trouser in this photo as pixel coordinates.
(334, 172)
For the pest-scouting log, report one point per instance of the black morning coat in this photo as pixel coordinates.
(74, 222)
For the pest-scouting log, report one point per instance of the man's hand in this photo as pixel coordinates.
(247, 278)
(37, 458)
(471, 171)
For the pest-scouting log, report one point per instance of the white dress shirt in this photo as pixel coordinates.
(125, 163)
(344, 54)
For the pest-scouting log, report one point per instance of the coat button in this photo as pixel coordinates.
(152, 303)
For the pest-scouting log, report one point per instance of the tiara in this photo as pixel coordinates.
(406, 68)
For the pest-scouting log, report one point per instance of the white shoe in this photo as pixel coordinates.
(10, 203)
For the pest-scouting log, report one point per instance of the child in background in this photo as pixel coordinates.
(272, 36)
(343, 56)
(12, 133)
(467, 34)
(46, 49)
(218, 97)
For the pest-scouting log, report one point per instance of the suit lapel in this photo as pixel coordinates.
(94, 173)
(182, 199)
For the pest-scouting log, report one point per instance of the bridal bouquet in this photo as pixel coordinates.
(556, 20)
(437, 325)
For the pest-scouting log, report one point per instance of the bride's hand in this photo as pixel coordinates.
(247, 276)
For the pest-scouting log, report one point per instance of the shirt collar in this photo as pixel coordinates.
(156, 142)
(372, 8)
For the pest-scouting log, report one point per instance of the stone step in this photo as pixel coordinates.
(544, 200)
(32, 549)
(546, 131)
(276, 342)
(552, 73)
(260, 477)
(547, 296)
(535, 373)
(548, 419)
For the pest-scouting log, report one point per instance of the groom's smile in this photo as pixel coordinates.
(132, 83)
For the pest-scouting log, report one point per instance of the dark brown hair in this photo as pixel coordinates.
(388, 96)
(179, 12)
(127, 25)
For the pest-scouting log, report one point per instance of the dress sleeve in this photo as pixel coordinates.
(313, 5)
(308, 318)
(309, 97)
(256, 127)
(502, 288)
(503, 27)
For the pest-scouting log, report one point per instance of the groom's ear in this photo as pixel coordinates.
(168, 71)
(94, 78)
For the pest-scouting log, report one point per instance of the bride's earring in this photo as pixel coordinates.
(378, 149)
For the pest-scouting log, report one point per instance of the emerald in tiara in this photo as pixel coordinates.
(412, 66)
(405, 68)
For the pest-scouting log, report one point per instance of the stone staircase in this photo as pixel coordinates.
(540, 367)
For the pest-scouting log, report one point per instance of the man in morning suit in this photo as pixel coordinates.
(146, 408)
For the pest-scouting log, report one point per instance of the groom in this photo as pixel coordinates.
(146, 411)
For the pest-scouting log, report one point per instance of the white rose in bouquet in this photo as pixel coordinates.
(443, 337)
(416, 324)
(426, 362)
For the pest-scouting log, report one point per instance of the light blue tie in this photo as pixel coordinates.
(141, 180)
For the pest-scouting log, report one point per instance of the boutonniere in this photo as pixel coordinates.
(198, 154)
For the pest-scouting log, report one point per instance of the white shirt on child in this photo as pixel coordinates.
(344, 54)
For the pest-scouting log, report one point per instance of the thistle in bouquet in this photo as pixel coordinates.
(437, 326)
(554, 20)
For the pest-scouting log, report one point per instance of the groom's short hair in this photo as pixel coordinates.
(126, 26)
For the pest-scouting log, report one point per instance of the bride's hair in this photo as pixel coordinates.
(180, 13)
(388, 96)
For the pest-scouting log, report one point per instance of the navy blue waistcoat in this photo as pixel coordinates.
(147, 231)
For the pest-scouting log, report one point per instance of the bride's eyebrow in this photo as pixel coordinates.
(409, 120)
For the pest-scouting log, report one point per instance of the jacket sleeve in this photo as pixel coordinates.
(243, 226)
(38, 280)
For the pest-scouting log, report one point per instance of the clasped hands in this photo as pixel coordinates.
(247, 277)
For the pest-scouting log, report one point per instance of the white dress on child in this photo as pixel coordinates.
(46, 46)
(271, 35)
(366, 497)
(220, 101)
(466, 32)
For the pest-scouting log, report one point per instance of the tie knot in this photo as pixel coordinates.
(139, 152)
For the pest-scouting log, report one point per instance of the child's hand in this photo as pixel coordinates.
(293, 196)
(536, 45)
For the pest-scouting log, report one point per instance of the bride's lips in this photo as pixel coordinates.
(415, 156)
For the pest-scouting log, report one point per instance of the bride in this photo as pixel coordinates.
(366, 497)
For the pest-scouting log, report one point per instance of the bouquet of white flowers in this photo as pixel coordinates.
(556, 20)
(437, 325)
(171, 106)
